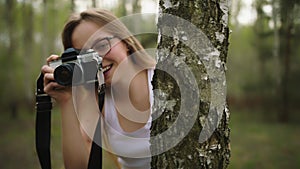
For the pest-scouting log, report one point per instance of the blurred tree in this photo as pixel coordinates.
(45, 28)
(121, 8)
(263, 44)
(288, 16)
(50, 26)
(136, 9)
(10, 55)
(176, 38)
(28, 31)
(72, 5)
(136, 6)
(235, 10)
(94, 4)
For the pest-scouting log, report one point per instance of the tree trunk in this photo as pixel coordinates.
(28, 22)
(11, 95)
(121, 9)
(73, 5)
(45, 49)
(287, 24)
(284, 111)
(190, 127)
(94, 5)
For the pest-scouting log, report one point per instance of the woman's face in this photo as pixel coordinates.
(81, 39)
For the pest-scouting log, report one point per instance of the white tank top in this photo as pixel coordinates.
(132, 148)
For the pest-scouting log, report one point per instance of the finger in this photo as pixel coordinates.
(49, 87)
(47, 69)
(52, 88)
(48, 77)
(52, 58)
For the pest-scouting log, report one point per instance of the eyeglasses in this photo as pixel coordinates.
(102, 46)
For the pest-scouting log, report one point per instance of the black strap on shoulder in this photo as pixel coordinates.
(43, 124)
(95, 159)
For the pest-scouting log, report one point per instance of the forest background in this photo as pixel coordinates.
(262, 76)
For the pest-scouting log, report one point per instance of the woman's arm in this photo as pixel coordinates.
(75, 152)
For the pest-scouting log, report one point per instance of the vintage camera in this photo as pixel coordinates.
(76, 68)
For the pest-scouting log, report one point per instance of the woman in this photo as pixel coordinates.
(127, 71)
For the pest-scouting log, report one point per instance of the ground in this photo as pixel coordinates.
(255, 143)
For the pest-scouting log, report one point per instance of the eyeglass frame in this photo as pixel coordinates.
(109, 38)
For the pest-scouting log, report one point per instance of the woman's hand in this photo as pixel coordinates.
(60, 93)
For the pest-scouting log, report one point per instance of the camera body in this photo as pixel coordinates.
(76, 68)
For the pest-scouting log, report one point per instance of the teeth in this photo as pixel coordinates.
(106, 68)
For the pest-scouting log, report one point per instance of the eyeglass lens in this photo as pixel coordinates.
(102, 46)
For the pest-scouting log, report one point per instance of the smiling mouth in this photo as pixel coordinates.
(107, 68)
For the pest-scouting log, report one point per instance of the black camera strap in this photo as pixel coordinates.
(43, 128)
(43, 124)
(95, 159)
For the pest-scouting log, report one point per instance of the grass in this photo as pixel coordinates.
(18, 142)
(255, 144)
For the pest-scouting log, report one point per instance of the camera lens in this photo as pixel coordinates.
(64, 74)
